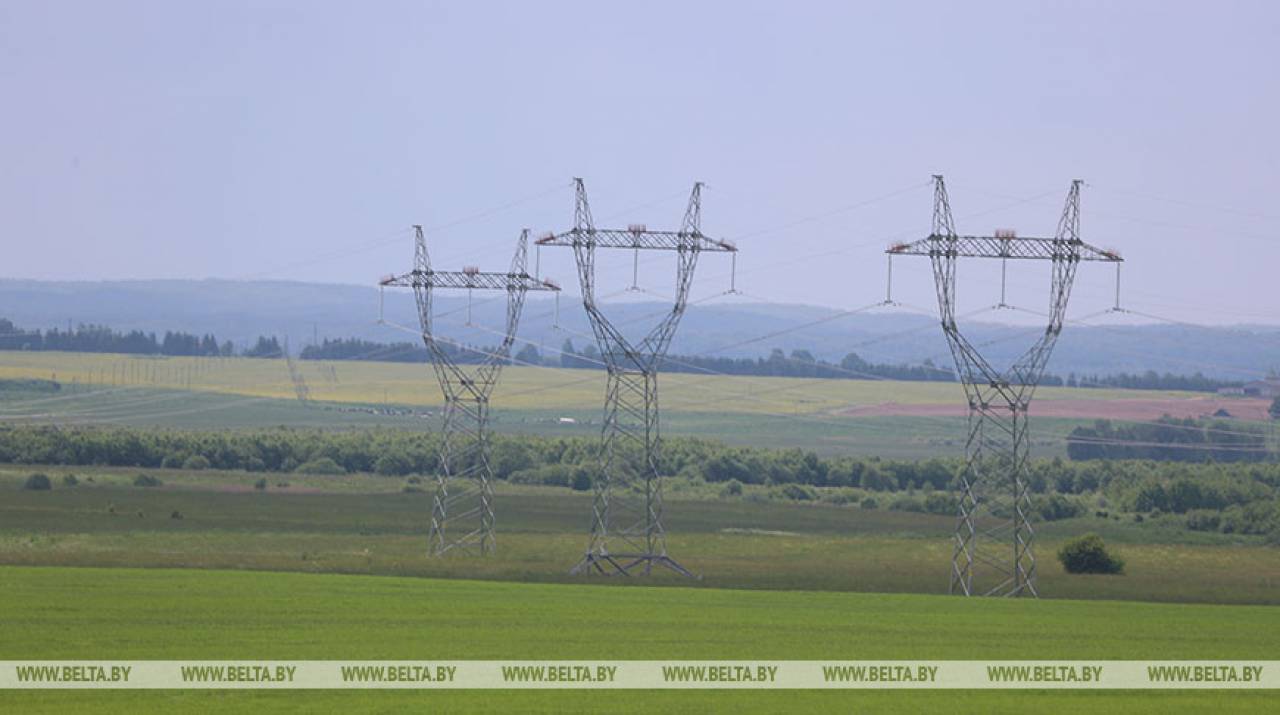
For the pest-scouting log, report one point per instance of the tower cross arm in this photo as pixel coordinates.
(1001, 247)
(471, 280)
(637, 239)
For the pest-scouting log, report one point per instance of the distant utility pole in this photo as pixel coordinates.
(295, 375)
(993, 539)
(627, 507)
(462, 516)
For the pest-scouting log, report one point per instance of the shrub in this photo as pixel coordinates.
(175, 515)
(1088, 554)
(173, 461)
(196, 462)
(37, 483)
(581, 480)
(70, 480)
(869, 503)
(1203, 520)
(906, 503)
(414, 480)
(260, 485)
(799, 492)
(393, 465)
(321, 465)
(732, 488)
(146, 480)
(939, 503)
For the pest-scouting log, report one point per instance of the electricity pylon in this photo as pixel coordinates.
(626, 511)
(993, 539)
(462, 517)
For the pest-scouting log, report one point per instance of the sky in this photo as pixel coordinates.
(299, 140)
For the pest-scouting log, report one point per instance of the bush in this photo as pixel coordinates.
(939, 503)
(196, 462)
(799, 492)
(70, 480)
(321, 465)
(869, 503)
(906, 503)
(37, 483)
(1088, 554)
(146, 480)
(581, 480)
(173, 461)
(1203, 520)
(732, 488)
(393, 465)
(260, 485)
(175, 515)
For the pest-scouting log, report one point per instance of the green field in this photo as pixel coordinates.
(364, 524)
(332, 567)
(66, 613)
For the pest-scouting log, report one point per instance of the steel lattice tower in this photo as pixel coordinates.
(627, 505)
(993, 539)
(462, 516)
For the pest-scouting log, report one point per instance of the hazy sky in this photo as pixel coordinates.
(297, 140)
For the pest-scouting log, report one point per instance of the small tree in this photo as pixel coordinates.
(1088, 554)
(37, 483)
(196, 462)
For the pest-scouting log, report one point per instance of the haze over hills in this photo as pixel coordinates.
(729, 326)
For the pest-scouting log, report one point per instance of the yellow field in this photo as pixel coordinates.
(520, 387)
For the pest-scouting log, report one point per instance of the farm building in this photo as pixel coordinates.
(1268, 388)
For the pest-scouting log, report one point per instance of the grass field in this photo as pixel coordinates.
(66, 613)
(326, 567)
(364, 524)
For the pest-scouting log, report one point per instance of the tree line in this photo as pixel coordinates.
(1242, 497)
(779, 363)
(1170, 439)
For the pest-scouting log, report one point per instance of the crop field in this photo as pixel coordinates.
(892, 419)
(70, 613)
(521, 387)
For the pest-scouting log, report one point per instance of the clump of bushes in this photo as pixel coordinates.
(731, 488)
(196, 462)
(869, 503)
(320, 465)
(37, 483)
(70, 480)
(1088, 554)
(146, 480)
(906, 503)
(260, 485)
(175, 515)
(798, 492)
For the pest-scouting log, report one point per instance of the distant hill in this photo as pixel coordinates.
(241, 311)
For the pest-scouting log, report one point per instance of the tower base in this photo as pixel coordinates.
(627, 565)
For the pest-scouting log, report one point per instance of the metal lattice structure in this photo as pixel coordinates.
(627, 535)
(462, 514)
(993, 553)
